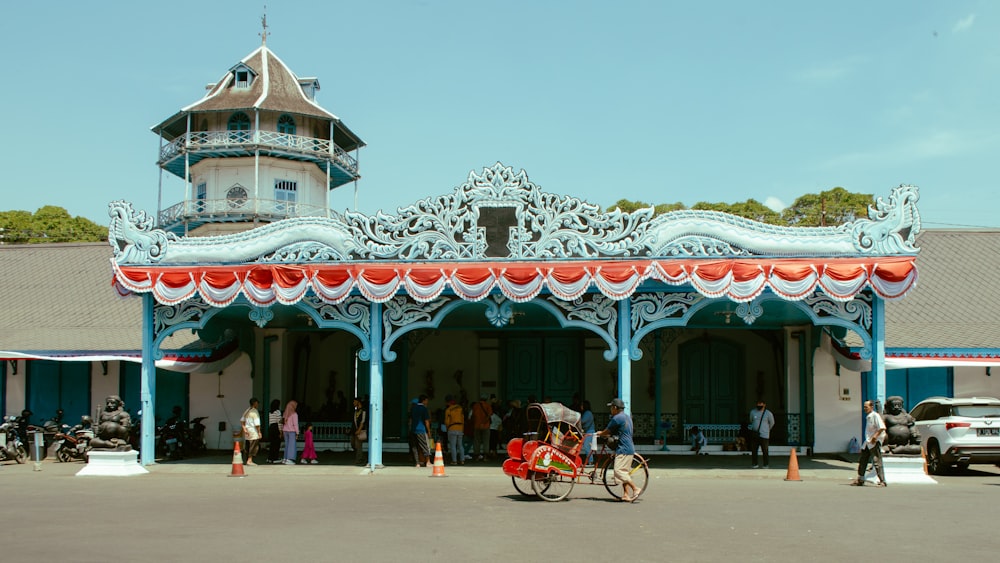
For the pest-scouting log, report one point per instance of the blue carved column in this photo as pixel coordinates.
(147, 385)
(375, 406)
(625, 353)
(877, 383)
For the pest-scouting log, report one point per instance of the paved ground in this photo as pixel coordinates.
(710, 508)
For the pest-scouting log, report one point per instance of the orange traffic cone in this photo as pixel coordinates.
(438, 461)
(793, 468)
(237, 461)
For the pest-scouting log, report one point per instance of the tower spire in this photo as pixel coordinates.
(263, 23)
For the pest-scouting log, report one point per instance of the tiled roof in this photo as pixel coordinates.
(276, 88)
(59, 297)
(957, 298)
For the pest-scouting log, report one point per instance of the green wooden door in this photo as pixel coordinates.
(562, 369)
(524, 368)
(58, 385)
(543, 367)
(709, 378)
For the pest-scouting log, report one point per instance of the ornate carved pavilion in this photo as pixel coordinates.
(501, 240)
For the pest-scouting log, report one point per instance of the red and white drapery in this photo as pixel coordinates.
(739, 280)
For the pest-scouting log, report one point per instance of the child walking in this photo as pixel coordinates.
(309, 450)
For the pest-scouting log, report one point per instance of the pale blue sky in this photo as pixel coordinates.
(653, 101)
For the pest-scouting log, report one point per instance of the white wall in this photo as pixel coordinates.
(837, 403)
(101, 386)
(221, 174)
(16, 392)
(972, 381)
(235, 388)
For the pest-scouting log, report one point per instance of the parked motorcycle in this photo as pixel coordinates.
(172, 438)
(49, 429)
(11, 447)
(196, 435)
(73, 444)
(135, 432)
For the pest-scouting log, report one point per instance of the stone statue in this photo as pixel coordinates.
(902, 435)
(113, 426)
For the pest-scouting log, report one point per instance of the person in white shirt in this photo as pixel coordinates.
(251, 430)
(872, 447)
(698, 440)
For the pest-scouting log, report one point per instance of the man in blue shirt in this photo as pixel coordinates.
(420, 425)
(620, 425)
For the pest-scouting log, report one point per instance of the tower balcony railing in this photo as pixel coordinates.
(200, 211)
(237, 141)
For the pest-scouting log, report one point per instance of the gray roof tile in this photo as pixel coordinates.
(955, 302)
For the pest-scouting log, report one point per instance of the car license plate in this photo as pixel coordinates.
(987, 431)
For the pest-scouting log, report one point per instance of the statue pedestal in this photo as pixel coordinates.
(902, 469)
(113, 464)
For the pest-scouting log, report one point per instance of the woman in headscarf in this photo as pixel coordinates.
(290, 429)
(274, 432)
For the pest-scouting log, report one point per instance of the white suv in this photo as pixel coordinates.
(958, 431)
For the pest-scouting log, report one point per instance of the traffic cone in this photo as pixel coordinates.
(438, 461)
(237, 461)
(793, 468)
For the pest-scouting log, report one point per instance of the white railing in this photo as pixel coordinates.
(227, 210)
(716, 433)
(213, 140)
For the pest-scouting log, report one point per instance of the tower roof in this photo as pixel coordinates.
(274, 88)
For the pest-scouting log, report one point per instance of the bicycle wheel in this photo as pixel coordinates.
(523, 486)
(553, 487)
(638, 471)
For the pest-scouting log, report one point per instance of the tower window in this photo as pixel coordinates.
(286, 124)
(200, 195)
(284, 195)
(239, 121)
(243, 75)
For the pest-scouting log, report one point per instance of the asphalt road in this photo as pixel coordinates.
(705, 509)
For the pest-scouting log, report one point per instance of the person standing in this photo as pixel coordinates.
(274, 432)
(872, 448)
(308, 447)
(251, 430)
(589, 429)
(699, 441)
(761, 423)
(495, 423)
(620, 426)
(454, 421)
(420, 429)
(480, 415)
(359, 432)
(290, 430)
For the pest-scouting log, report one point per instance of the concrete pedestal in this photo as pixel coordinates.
(902, 469)
(113, 464)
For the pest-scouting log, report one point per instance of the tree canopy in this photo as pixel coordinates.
(828, 208)
(48, 224)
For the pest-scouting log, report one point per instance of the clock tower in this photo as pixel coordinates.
(257, 147)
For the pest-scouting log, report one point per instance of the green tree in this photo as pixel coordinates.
(832, 207)
(750, 209)
(49, 224)
(829, 208)
(630, 206)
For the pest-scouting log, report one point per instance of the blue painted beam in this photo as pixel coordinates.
(375, 413)
(147, 386)
(624, 353)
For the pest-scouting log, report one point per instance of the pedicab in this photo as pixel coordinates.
(546, 462)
